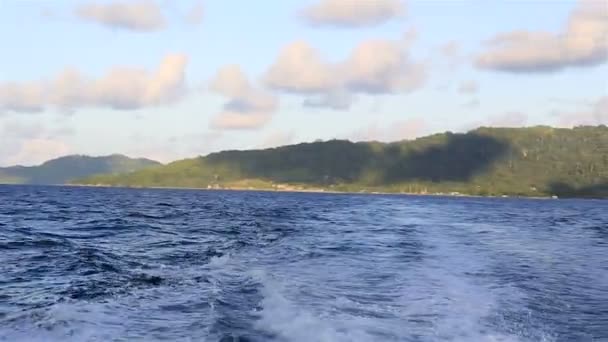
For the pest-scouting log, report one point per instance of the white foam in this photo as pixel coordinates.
(66, 322)
(295, 324)
(445, 286)
(440, 298)
(219, 261)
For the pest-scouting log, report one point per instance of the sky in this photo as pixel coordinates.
(174, 79)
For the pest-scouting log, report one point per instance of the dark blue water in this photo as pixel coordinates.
(81, 264)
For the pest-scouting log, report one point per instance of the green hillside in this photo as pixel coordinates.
(64, 169)
(535, 161)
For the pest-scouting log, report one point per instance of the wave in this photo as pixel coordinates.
(448, 294)
(288, 322)
(324, 269)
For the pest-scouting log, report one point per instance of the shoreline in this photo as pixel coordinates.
(320, 191)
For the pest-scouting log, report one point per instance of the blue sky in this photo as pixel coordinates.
(143, 77)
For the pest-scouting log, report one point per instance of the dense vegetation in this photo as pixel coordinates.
(64, 169)
(535, 161)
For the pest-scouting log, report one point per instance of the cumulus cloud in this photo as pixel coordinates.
(597, 114)
(380, 67)
(373, 67)
(119, 88)
(247, 106)
(583, 42)
(353, 13)
(399, 130)
(468, 87)
(300, 69)
(138, 15)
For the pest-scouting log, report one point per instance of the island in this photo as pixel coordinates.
(524, 162)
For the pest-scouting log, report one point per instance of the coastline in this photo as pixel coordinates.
(316, 191)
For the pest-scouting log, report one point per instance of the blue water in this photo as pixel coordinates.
(80, 264)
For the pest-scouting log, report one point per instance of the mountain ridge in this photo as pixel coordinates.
(532, 161)
(63, 169)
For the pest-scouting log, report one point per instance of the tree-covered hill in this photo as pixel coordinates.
(534, 161)
(64, 169)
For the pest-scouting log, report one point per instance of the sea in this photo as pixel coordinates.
(110, 264)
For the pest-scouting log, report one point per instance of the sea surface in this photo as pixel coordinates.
(96, 264)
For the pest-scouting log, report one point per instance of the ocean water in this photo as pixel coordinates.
(84, 264)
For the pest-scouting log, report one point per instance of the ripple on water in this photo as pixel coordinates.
(84, 264)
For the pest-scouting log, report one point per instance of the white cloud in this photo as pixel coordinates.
(136, 15)
(468, 87)
(381, 67)
(373, 67)
(353, 13)
(247, 107)
(300, 69)
(119, 88)
(597, 114)
(583, 42)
